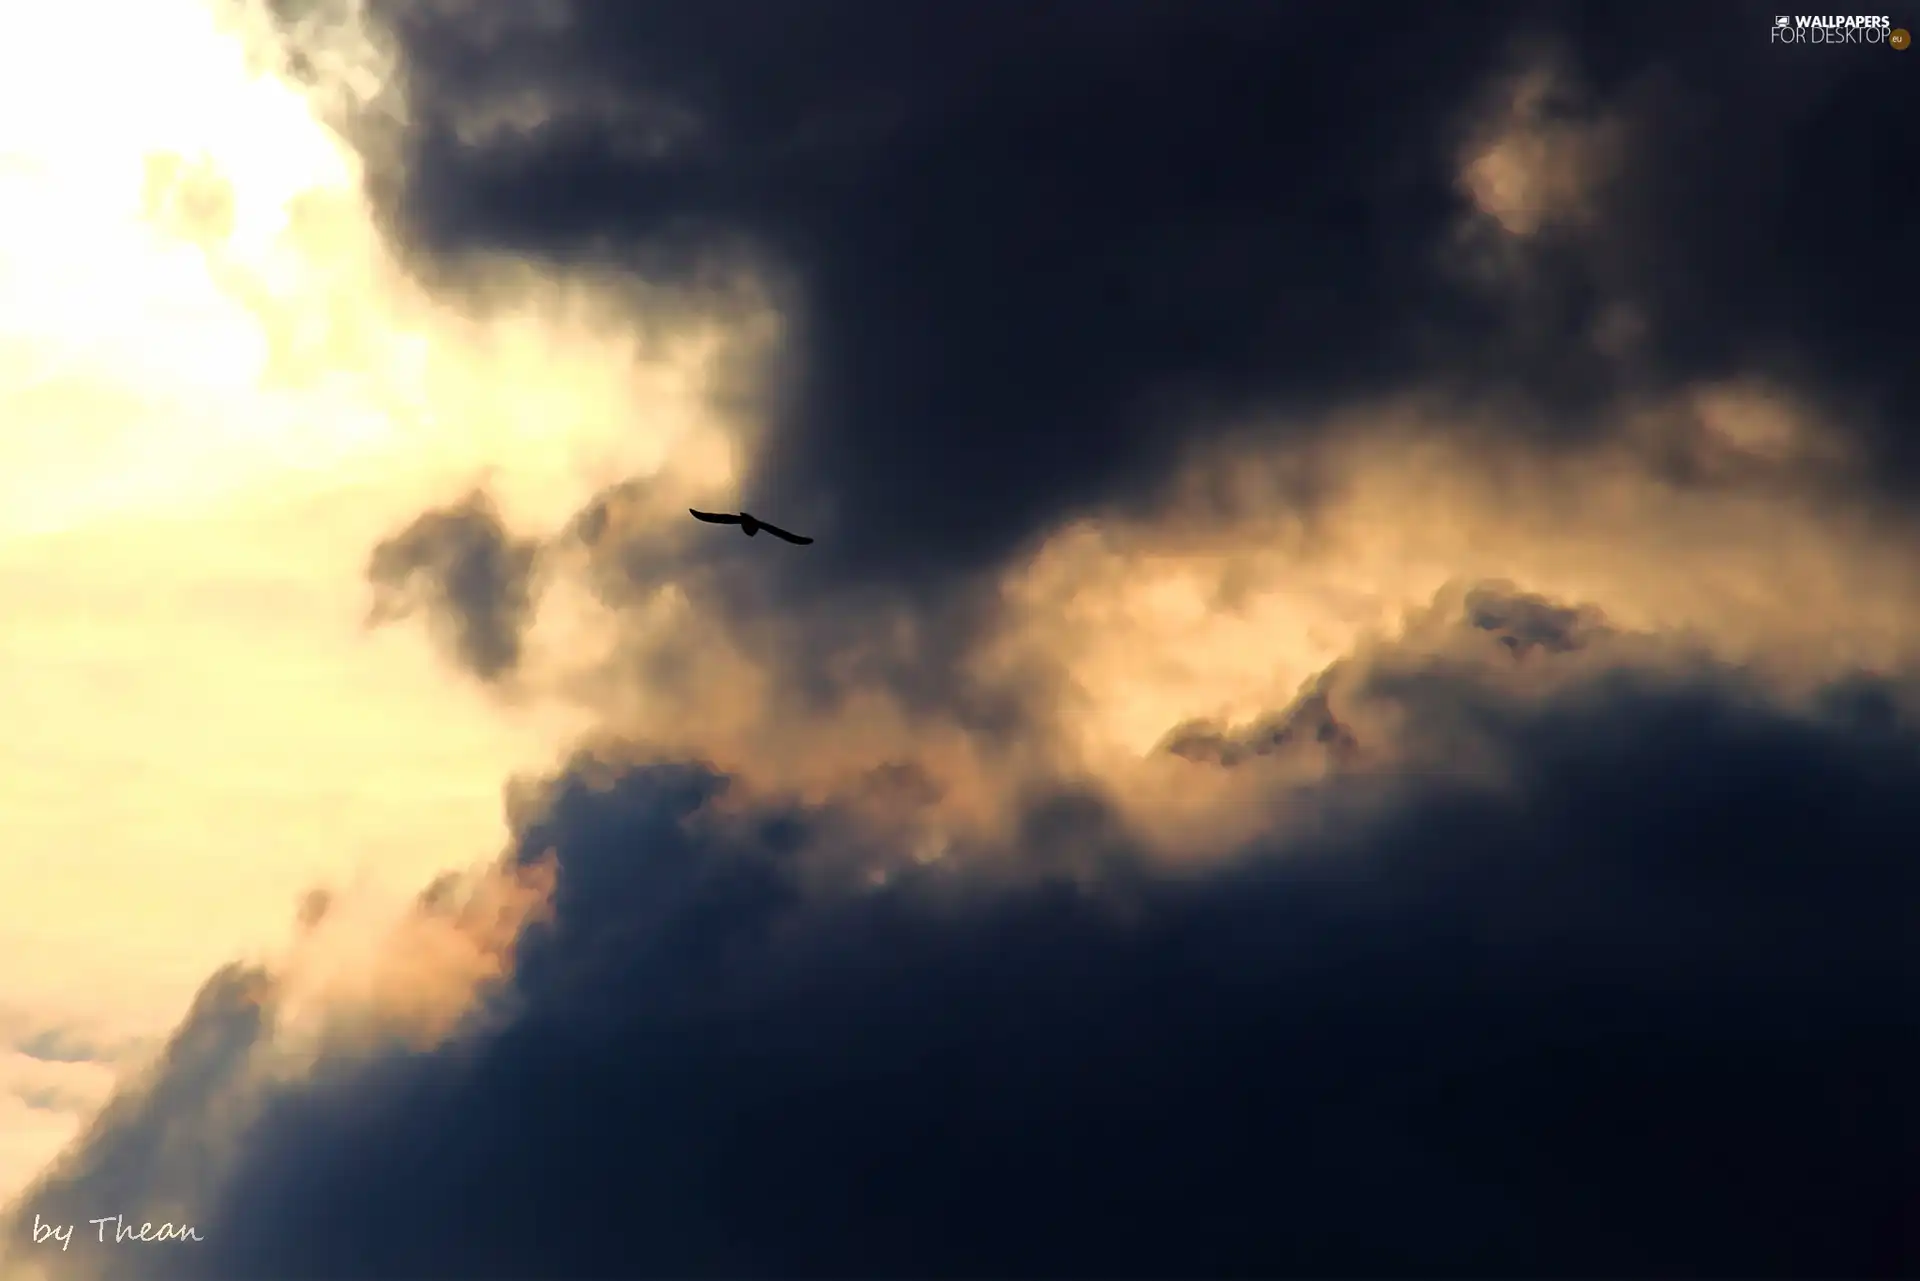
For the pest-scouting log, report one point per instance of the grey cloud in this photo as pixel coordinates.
(1310, 721)
(471, 575)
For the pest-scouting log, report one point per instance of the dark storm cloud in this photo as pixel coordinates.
(469, 573)
(1643, 1009)
(1031, 250)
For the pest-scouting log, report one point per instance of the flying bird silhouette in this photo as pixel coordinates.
(749, 525)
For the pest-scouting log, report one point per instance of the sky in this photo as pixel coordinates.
(1352, 709)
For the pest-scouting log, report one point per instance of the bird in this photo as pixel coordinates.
(749, 525)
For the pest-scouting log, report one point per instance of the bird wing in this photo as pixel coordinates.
(717, 518)
(778, 532)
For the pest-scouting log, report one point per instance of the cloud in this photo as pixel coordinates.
(1718, 523)
(1538, 159)
(1634, 1007)
(1010, 307)
(1352, 711)
(1129, 272)
(460, 564)
(362, 978)
(195, 1091)
(52, 1079)
(220, 394)
(359, 981)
